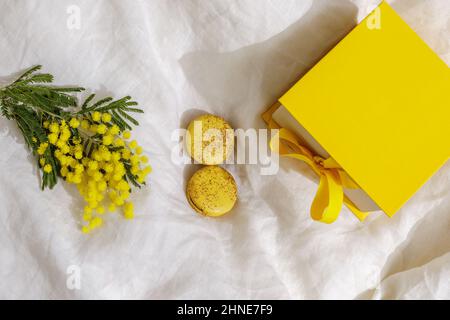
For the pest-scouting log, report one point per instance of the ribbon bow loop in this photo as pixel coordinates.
(329, 198)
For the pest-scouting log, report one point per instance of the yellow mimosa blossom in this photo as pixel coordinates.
(126, 135)
(97, 156)
(96, 116)
(114, 130)
(97, 176)
(93, 165)
(133, 144)
(134, 159)
(107, 140)
(101, 129)
(79, 168)
(140, 179)
(54, 127)
(65, 134)
(115, 156)
(52, 138)
(60, 143)
(119, 143)
(134, 169)
(118, 201)
(106, 155)
(126, 154)
(64, 171)
(106, 117)
(74, 123)
(65, 149)
(76, 179)
(101, 186)
(108, 167)
(42, 148)
(147, 170)
(144, 159)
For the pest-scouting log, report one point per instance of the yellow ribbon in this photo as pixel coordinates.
(330, 196)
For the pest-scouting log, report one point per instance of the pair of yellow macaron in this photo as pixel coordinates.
(211, 191)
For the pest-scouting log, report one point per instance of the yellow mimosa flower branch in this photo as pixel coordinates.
(88, 146)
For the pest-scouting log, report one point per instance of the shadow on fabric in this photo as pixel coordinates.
(244, 82)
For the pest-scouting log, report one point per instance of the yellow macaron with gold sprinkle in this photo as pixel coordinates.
(210, 139)
(212, 191)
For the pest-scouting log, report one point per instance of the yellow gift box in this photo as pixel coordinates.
(372, 118)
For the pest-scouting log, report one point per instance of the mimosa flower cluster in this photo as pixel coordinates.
(89, 146)
(101, 176)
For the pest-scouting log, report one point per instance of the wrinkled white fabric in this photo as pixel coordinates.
(231, 58)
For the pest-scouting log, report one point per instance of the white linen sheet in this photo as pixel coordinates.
(232, 58)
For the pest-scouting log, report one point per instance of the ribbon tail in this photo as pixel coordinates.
(361, 215)
(329, 198)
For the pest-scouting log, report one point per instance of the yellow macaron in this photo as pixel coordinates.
(212, 191)
(210, 139)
